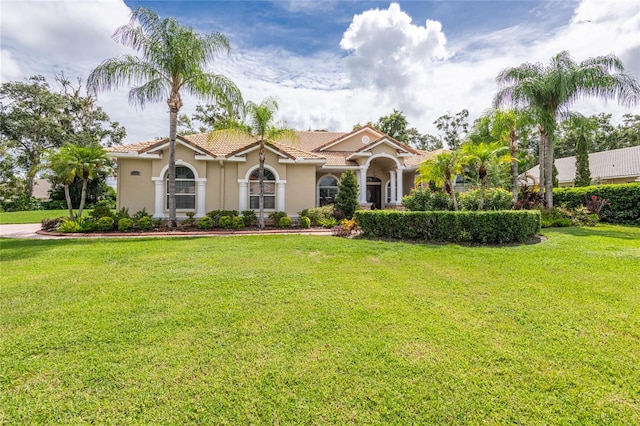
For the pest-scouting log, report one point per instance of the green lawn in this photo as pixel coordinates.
(34, 216)
(292, 329)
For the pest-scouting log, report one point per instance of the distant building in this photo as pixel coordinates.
(41, 189)
(615, 166)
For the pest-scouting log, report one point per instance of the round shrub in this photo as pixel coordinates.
(225, 222)
(305, 222)
(69, 225)
(498, 199)
(105, 224)
(205, 222)
(237, 222)
(125, 224)
(145, 223)
(285, 222)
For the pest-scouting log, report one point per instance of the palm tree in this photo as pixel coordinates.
(73, 161)
(481, 155)
(548, 91)
(172, 59)
(258, 121)
(442, 169)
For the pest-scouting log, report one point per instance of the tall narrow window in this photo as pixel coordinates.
(327, 190)
(185, 189)
(269, 190)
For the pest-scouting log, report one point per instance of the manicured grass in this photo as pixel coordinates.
(34, 216)
(320, 330)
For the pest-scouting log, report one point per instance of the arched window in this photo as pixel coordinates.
(185, 189)
(269, 190)
(327, 190)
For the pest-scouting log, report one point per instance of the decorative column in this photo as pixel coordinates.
(200, 197)
(158, 211)
(242, 195)
(392, 184)
(399, 182)
(280, 205)
(363, 184)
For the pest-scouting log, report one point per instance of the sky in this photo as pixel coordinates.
(332, 64)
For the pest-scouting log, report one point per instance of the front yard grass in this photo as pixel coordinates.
(320, 330)
(35, 216)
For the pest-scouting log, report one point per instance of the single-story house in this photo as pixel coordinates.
(615, 166)
(221, 173)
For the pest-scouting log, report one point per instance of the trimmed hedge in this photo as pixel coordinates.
(487, 227)
(623, 201)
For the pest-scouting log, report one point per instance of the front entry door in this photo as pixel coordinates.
(374, 196)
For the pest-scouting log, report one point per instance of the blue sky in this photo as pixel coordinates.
(333, 64)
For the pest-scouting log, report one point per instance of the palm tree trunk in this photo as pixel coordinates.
(173, 125)
(513, 139)
(67, 196)
(541, 162)
(83, 195)
(261, 158)
(548, 170)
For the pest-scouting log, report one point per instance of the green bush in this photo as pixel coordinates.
(123, 213)
(237, 222)
(556, 217)
(140, 214)
(276, 216)
(205, 222)
(426, 200)
(90, 224)
(102, 209)
(495, 199)
(104, 224)
(491, 227)
(285, 222)
(328, 223)
(622, 201)
(305, 222)
(70, 225)
(318, 213)
(190, 220)
(125, 224)
(250, 218)
(217, 214)
(145, 223)
(225, 222)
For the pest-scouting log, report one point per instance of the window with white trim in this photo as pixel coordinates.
(327, 190)
(388, 189)
(185, 189)
(269, 190)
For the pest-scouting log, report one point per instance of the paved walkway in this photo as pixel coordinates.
(22, 231)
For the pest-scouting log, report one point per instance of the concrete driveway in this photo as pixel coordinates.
(22, 231)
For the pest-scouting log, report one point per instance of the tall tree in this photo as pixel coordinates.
(480, 156)
(73, 161)
(30, 124)
(455, 127)
(172, 59)
(442, 169)
(347, 198)
(397, 126)
(259, 122)
(548, 91)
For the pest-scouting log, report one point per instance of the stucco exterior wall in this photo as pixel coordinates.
(136, 191)
(300, 188)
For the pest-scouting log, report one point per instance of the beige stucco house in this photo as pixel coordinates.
(221, 173)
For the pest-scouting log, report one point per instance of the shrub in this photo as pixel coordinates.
(285, 222)
(50, 224)
(622, 201)
(123, 213)
(237, 222)
(102, 209)
(250, 218)
(140, 214)
(276, 216)
(556, 217)
(217, 214)
(225, 222)
(345, 228)
(104, 224)
(90, 224)
(157, 223)
(145, 223)
(427, 200)
(328, 223)
(190, 220)
(205, 222)
(347, 198)
(125, 224)
(493, 227)
(70, 225)
(529, 198)
(495, 199)
(318, 213)
(305, 222)
(583, 217)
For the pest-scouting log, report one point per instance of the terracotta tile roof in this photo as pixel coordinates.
(138, 147)
(338, 158)
(617, 163)
(422, 156)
